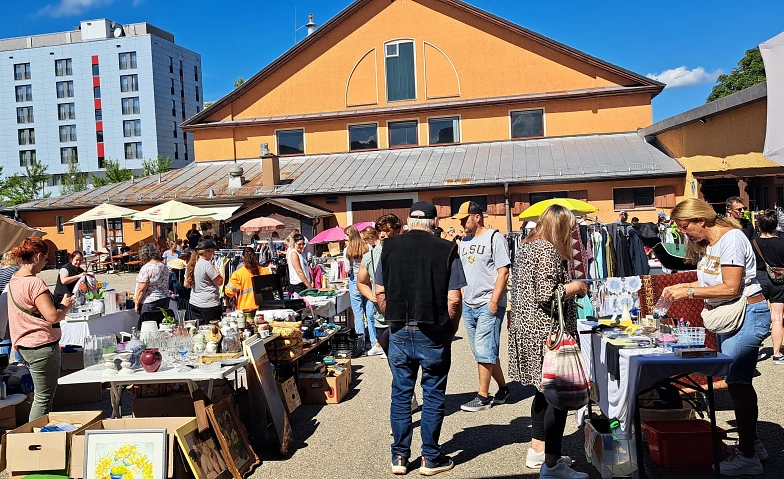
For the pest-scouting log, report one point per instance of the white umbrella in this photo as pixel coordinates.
(172, 212)
(103, 211)
(773, 55)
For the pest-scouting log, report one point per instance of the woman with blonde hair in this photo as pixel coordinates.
(360, 306)
(726, 271)
(539, 271)
(204, 278)
(8, 266)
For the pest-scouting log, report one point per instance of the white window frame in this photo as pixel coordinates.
(304, 145)
(544, 122)
(414, 196)
(442, 117)
(361, 123)
(397, 41)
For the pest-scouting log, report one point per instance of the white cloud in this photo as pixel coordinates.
(682, 76)
(66, 8)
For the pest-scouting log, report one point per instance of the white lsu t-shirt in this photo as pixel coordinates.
(732, 249)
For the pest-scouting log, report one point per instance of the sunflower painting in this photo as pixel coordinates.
(125, 454)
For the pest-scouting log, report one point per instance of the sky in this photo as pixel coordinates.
(686, 44)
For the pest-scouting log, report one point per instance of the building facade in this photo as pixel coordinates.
(103, 91)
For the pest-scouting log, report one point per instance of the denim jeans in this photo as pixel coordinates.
(484, 332)
(410, 349)
(44, 365)
(743, 345)
(362, 307)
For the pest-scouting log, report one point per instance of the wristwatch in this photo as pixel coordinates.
(690, 293)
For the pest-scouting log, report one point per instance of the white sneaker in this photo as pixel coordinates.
(561, 471)
(741, 466)
(375, 351)
(534, 460)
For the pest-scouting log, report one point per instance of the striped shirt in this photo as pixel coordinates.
(5, 276)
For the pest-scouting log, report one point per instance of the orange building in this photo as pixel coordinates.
(392, 102)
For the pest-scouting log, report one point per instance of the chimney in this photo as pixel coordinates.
(311, 26)
(270, 167)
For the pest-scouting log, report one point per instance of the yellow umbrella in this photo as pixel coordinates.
(533, 212)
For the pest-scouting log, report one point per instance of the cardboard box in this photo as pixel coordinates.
(176, 468)
(324, 390)
(25, 451)
(72, 361)
(173, 405)
(289, 394)
(12, 417)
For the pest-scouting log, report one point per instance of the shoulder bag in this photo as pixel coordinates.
(775, 273)
(564, 380)
(727, 318)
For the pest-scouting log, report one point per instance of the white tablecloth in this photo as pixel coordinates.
(75, 332)
(328, 307)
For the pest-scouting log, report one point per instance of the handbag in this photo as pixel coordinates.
(775, 273)
(564, 383)
(727, 318)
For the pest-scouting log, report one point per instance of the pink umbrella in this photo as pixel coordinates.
(336, 233)
(262, 224)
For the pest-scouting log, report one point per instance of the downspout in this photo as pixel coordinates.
(508, 209)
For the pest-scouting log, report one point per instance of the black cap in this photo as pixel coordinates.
(206, 244)
(423, 210)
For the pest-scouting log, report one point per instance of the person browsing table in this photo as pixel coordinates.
(770, 252)
(726, 271)
(299, 274)
(204, 279)
(69, 274)
(152, 285)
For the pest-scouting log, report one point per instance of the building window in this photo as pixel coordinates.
(101, 162)
(56, 180)
(172, 86)
(198, 108)
(60, 224)
(197, 94)
(527, 124)
(129, 83)
(133, 150)
(98, 114)
(182, 92)
(63, 67)
(96, 70)
(65, 89)
(174, 108)
(24, 114)
(547, 195)
(183, 112)
(66, 111)
(67, 133)
(181, 68)
(456, 201)
(444, 130)
(130, 106)
(24, 93)
(96, 92)
(171, 65)
(291, 142)
(402, 133)
(363, 137)
(22, 71)
(132, 128)
(174, 126)
(195, 73)
(115, 232)
(176, 151)
(69, 154)
(631, 198)
(127, 61)
(99, 136)
(186, 154)
(27, 136)
(86, 227)
(137, 225)
(401, 75)
(26, 158)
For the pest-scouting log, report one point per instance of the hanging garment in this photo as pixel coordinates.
(584, 307)
(639, 259)
(578, 264)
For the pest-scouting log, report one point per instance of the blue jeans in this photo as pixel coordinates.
(743, 345)
(408, 350)
(362, 307)
(484, 332)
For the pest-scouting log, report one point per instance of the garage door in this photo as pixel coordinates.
(371, 210)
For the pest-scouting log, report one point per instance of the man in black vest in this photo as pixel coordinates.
(418, 282)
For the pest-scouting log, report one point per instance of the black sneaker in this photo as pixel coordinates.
(501, 396)
(477, 404)
(431, 468)
(399, 465)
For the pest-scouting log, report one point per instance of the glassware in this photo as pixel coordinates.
(662, 306)
(183, 345)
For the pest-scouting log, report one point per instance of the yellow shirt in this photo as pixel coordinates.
(241, 286)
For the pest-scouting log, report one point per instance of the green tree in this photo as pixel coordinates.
(158, 165)
(23, 188)
(749, 72)
(239, 81)
(73, 179)
(208, 104)
(113, 173)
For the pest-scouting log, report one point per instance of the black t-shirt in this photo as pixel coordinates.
(773, 251)
(61, 288)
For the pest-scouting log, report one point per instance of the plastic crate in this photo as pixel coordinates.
(681, 444)
(691, 335)
(611, 455)
(346, 344)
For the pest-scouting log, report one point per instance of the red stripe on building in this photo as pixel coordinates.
(95, 59)
(98, 126)
(100, 149)
(98, 104)
(96, 81)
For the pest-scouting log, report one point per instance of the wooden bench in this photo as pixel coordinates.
(131, 264)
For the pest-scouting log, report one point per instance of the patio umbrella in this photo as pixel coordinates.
(533, 212)
(172, 212)
(105, 212)
(13, 232)
(262, 224)
(336, 233)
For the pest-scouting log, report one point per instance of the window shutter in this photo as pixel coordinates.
(495, 205)
(443, 207)
(665, 197)
(519, 203)
(581, 195)
(623, 198)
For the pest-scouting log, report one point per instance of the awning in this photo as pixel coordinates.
(304, 209)
(223, 213)
(773, 56)
(12, 233)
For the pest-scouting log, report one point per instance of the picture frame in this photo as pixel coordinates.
(202, 452)
(235, 447)
(137, 453)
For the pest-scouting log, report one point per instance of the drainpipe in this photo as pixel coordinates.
(508, 209)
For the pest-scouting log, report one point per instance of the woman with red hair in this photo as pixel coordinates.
(34, 322)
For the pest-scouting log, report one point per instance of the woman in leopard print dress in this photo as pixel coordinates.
(540, 270)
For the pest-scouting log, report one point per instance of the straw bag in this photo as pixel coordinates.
(564, 380)
(727, 318)
(775, 273)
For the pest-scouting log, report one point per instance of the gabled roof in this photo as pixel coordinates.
(547, 160)
(294, 206)
(322, 31)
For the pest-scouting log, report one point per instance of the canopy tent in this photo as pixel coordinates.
(578, 207)
(773, 56)
(262, 224)
(13, 232)
(336, 233)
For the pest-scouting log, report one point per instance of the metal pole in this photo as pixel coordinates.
(508, 209)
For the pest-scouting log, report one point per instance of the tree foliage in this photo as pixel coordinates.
(749, 72)
(113, 173)
(239, 81)
(73, 179)
(158, 165)
(20, 189)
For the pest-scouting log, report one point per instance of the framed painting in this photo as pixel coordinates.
(233, 438)
(125, 454)
(202, 452)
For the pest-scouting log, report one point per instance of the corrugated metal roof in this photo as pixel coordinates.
(546, 160)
